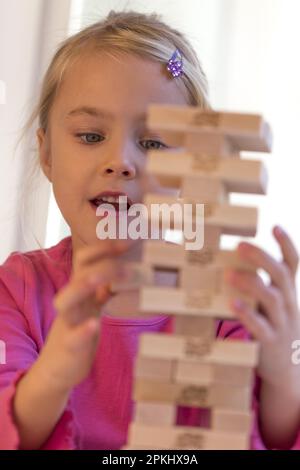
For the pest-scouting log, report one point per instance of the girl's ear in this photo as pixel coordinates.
(44, 153)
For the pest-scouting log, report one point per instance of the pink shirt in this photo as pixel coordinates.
(100, 408)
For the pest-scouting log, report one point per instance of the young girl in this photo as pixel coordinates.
(67, 380)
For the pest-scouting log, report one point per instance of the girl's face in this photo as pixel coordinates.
(97, 138)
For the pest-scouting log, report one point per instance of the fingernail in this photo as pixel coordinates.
(245, 247)
(279, 231)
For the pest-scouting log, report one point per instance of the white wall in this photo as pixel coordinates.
(19, 51)
(29, 31)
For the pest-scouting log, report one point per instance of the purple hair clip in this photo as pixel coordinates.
(175, 65)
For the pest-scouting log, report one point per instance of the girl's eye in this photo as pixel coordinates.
(153, 146)
(89, 137)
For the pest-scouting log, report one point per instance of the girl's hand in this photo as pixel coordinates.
(276, 323)
(69, 351)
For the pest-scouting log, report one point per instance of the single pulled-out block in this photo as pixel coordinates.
(220, 352)
(231, 219)
(183, 437)
(237, 175)
(247, 132)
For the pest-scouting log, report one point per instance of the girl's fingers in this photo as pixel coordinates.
(288, 249)
(76, 292)
(103, 293)
(279, 272)
(80, 337)
(253, 321)
(268, 297)
(73, 293)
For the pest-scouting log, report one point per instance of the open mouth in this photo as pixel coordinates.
(119, 201)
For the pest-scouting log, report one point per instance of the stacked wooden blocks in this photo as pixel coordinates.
(191, 367)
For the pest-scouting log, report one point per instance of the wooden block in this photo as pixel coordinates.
(155, 413)
(198, 302)
(211, 243)
(234, 374)
(194, 326)
(203, 396)
(245, 131)
(244, 176)
(163, 254)
(231, 421)
(203, 189)
(219, 288)
(206, 374)
(234, 220)
(209, 278)
(154, 368)
(201, 373)
(170, 255)
(183, 437)
(212, 143)
(221, 352)
(212, 238)
(189, 277)
(236, 174)
(193, 142)
(231, 219)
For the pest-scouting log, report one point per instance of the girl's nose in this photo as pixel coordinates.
(122, 171)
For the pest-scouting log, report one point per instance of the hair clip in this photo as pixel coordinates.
(175, 64)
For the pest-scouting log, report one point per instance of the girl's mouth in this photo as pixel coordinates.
(119, 201)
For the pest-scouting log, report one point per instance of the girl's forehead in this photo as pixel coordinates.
(119, 79)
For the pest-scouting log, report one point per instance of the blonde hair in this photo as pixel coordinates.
(144, 35)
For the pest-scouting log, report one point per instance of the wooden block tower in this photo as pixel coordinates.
(190, 367)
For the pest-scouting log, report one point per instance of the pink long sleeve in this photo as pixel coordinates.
(21, 352)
